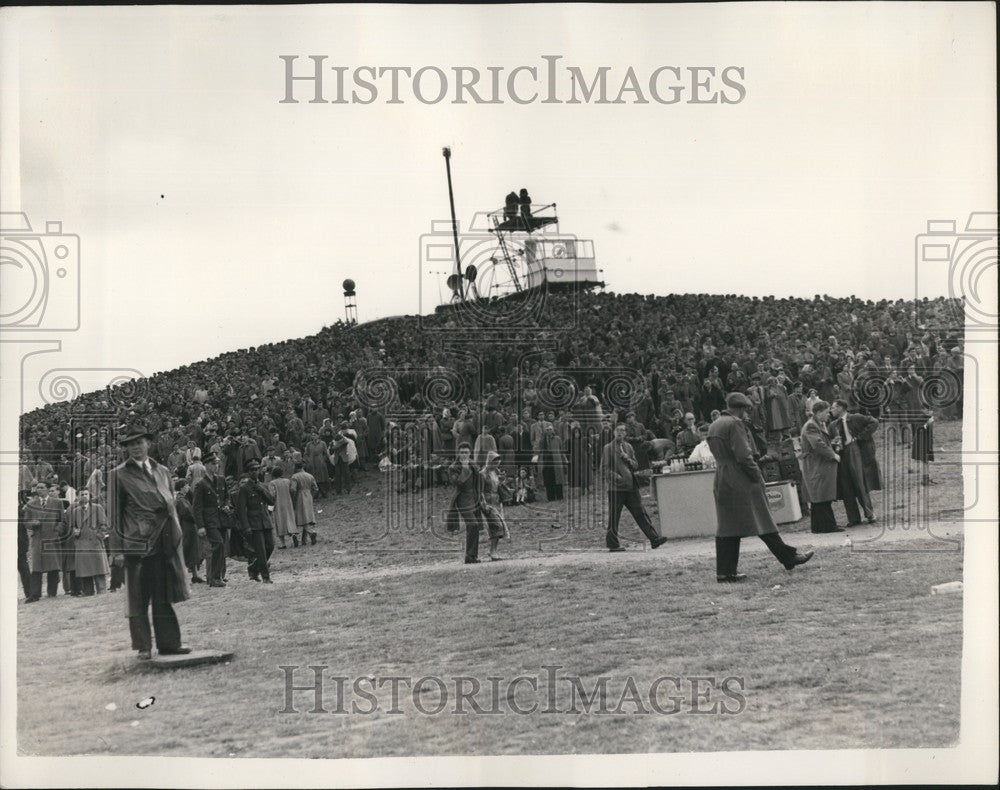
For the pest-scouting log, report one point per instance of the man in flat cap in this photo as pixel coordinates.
(146, 539)
(740, 500)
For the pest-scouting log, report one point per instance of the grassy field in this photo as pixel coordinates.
(838, 653)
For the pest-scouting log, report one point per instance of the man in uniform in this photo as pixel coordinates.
(252, 500)
(210, 502)
(146, 539)
(740, 500)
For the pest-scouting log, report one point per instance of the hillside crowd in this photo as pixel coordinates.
(303, 418)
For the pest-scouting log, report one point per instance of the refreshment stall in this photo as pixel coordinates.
(685, 501)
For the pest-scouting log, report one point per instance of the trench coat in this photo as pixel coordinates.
(819, 464)
(43, 518)
(315, 459)
(142, 516)
(283, 490)
(305, 490)
(91, 558)
(740, 496)
(552, 456)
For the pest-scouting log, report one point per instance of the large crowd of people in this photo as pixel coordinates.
(263, 431)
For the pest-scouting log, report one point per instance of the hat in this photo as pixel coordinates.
(491, 456)
(209, 458)
(134, 431)
(735, 400)
(252, 465)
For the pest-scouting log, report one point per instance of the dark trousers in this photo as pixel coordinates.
(553, 490)
(91, 584)
(51, 583)
(632, 500)
(727, 552)
(70, 585)
(855, 496)
(342, 476)
(215, 567)
(474, 522)
(821, 518)
(192, 548)
(24, 571)
(117, 574)
(151, 575)
(262, 541)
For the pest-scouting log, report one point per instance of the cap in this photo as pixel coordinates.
(736, 400)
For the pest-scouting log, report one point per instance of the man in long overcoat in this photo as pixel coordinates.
(89, 524)
(857, 472)
(43, 518)
(740, 495)
(146, 539)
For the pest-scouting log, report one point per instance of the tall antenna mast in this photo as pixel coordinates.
(454, 222)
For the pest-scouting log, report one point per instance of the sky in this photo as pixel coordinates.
(211, 216)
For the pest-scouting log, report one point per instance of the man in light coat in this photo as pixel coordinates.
(146, 539)
(740, 500)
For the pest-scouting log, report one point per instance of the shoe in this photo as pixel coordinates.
(799, 559)
(197, 579)
(826, 531)
(732, 578)
(872, 520)
(268, 581)
(31, 600)
(472, 562)
(312, 537)
(282, 546)
(616, 548)
(216, 584)
(853, 524)
(658, 542)
(295, 541)
(174, 651)
(255, 578)
(145, 655)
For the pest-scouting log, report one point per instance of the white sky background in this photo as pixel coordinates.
(861, 122)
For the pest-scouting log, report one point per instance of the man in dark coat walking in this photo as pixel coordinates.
(857, 472)
(618, 466)
(146, 539)
(740, 500)
(252, 500)
(210, 501)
